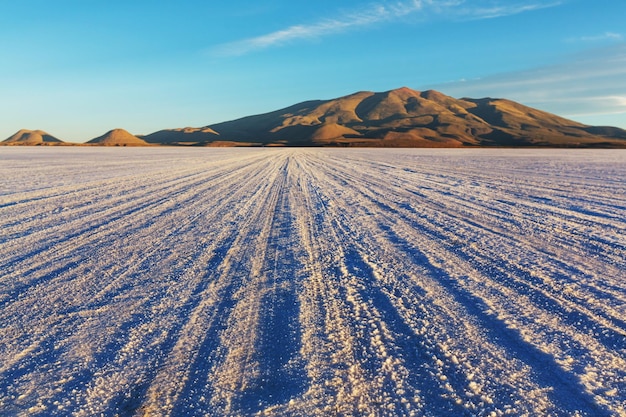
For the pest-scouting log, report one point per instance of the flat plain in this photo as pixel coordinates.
(312, 282)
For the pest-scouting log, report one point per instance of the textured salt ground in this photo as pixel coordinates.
(312, 282)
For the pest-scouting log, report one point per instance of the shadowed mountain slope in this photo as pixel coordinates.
(117, 137)
(402, 118)
(186, 135)
(31, 137)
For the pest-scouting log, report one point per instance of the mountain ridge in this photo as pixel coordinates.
(404, 118)
(396, 118)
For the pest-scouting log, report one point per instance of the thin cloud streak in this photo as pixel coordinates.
(585, 85)
(505, 10)
(446, 9)
(324, 28)
(606, 36)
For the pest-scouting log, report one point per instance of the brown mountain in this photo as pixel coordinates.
(186, 135)
(406, 118)
(32, 137)
(118, 137)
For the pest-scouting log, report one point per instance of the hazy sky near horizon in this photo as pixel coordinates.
(77, 68)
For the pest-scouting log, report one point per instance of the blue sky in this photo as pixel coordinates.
(77, 68)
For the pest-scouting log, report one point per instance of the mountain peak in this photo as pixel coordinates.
(404, 90)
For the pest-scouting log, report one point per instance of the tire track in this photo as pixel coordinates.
(312, 282)
(342, 185)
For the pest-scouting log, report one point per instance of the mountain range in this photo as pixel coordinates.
(398, 118)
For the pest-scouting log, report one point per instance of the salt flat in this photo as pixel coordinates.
(312, 282)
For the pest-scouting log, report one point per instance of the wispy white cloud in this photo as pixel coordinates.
(384, 12)
(502, 10)
(372, 15)
(587, 84)
(606, 36)
(311, 31)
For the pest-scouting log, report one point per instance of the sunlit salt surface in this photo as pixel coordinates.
(312, 282)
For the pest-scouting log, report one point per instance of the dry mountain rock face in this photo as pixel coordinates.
(401, 118)
(32, 137)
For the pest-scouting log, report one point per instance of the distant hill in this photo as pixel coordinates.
(118, 137)
(32, 137)
(186, 135)
(401, 118)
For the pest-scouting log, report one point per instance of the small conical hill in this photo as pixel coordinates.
(118, 137)
(31, 137)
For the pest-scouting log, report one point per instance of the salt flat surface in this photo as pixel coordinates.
(312, 282)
